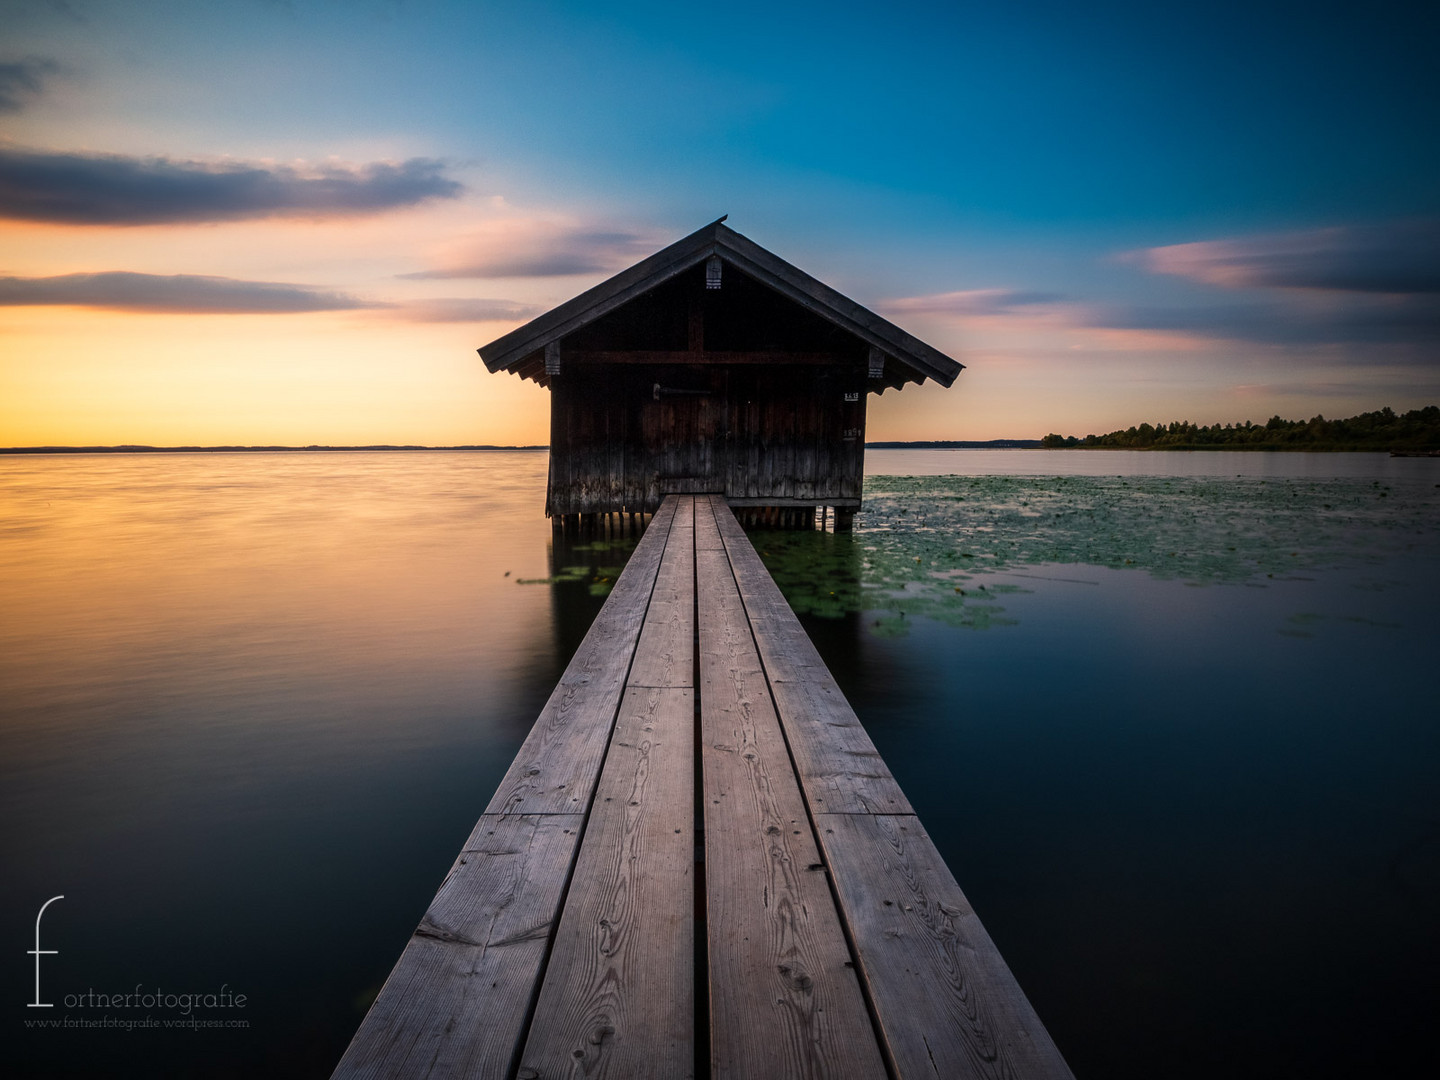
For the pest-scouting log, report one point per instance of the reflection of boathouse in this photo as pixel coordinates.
(712, 366)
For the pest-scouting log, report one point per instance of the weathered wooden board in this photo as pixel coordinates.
(947, 1003)
(456, 1002)
(707, 532)
(666, 653)
(839, 767)
(559, 762)
(618, 997)
(784, 1000)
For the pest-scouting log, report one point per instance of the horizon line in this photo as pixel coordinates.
(277, 448)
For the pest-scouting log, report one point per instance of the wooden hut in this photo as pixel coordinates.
(712, 366)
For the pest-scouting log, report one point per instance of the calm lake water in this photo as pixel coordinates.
(251, 705)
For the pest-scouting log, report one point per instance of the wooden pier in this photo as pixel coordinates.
(698, 865)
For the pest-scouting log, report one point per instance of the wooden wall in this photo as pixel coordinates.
(770, 434)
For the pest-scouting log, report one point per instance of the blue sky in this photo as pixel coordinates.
(1110, 212)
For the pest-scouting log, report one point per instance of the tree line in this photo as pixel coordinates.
(1383, 429)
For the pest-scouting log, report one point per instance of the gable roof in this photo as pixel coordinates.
(521, 350)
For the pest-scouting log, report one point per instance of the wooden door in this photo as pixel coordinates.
(686, 426)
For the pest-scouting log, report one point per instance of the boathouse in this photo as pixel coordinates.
(711, 367)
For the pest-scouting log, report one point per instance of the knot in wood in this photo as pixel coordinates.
(796, 980)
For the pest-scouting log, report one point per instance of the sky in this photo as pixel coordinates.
(260, 221)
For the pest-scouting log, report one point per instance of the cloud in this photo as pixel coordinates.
(1323, 387)
(21, 80)
(1281, 318)
(1356, 320)
(112, 189)
(1041, 320)
(176, 294)
(970, 302)
(1399, 257)
(463, 310)
(539, 247)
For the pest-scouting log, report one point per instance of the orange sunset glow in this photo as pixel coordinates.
(224, 226)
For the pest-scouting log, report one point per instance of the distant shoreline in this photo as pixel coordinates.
(929, 444)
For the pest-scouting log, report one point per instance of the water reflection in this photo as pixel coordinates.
(583, 568)
(1174, 819)
(240, 691)
(251, 705)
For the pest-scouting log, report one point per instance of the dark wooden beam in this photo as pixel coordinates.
(681, 356)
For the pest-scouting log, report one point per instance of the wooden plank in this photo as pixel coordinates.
(788, 652)
(456, 1002)
(666, 652)
(707, 533)
(559, 762)
(784, 1000)
(839, 767)
(947, 1004)
(618, 997)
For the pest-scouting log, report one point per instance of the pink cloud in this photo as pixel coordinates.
(539, 246)
(1044, 320)
(459, 309)
(1397, 258)
(968, 302)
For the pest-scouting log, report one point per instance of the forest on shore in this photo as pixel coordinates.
(1414, 431)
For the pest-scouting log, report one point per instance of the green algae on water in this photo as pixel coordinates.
(923, 546)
